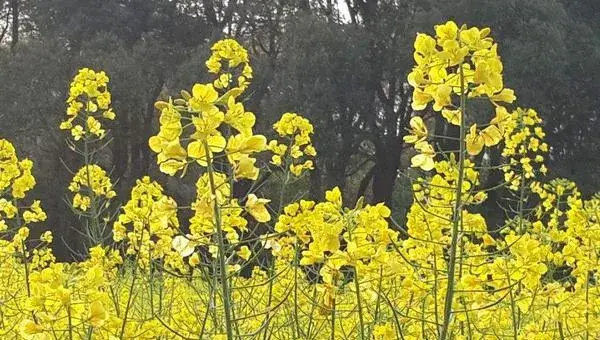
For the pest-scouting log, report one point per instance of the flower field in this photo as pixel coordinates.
(241, 267)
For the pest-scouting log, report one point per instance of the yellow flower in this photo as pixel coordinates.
(203, 98)
(447, 31)
(94, 127)
(87, 94)
(77, 132)
(244, 253)
(194, 260)
(506, 95)
(238, 117)
(35, 213)
(245, 168)
(475, 38)
(452, 116)
(25, 181)
(418, 131)
(90, 177)
(183, 246)
(109, 114)
(441, 97)
(420, 99)
(299, 130)
(239, 147)
(29, 329)
(199, 151)
(453, 53)
(172, 157)
(97, 314)
(502, 120)
(257, 208)
(424, 45)
(424, 159)
(334, 196)
(491, 135)
(474, 141)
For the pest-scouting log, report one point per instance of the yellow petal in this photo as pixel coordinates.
(256, 143)
(182, 245)
(491, 135)
(420, 100)
(257, 208)
(452, 116)
(216, 143)
(422, 161)
(474, 142)
(196, 150)
(98, 314)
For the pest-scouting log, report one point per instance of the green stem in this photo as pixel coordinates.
(333, 321)
(457, 213)
(272, 268)
(221, 245)
(359, 301)
(70, 322)
(129, 300)
(93, 230)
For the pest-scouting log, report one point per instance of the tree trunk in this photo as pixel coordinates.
(442, 128)
(385, 173)
(316, 183)
(494, 215)
(14, 8)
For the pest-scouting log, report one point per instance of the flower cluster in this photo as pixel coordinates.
(328, 235)
(16, 180)
(297, 145)
(88, 103)
(148, 223)
(316, 269)
(524, 147)
(15, 174)
(90, 183)
(457, 62)
(89, 106)
(213, 115)
(236, 56)
(232, 222)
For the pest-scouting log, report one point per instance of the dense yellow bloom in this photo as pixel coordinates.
(88, 102)
(323, 270)
(148, 223)
(297, 150)
(236, 56)
(213, 108)
(90, 182)
(14, 173)
(523, 144)
(459, 61)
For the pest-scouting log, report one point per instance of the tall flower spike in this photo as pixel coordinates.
(88, 104)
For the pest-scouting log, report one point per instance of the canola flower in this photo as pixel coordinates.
(88, 104)
(88, 108)
(240, 268)
(296, 151)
